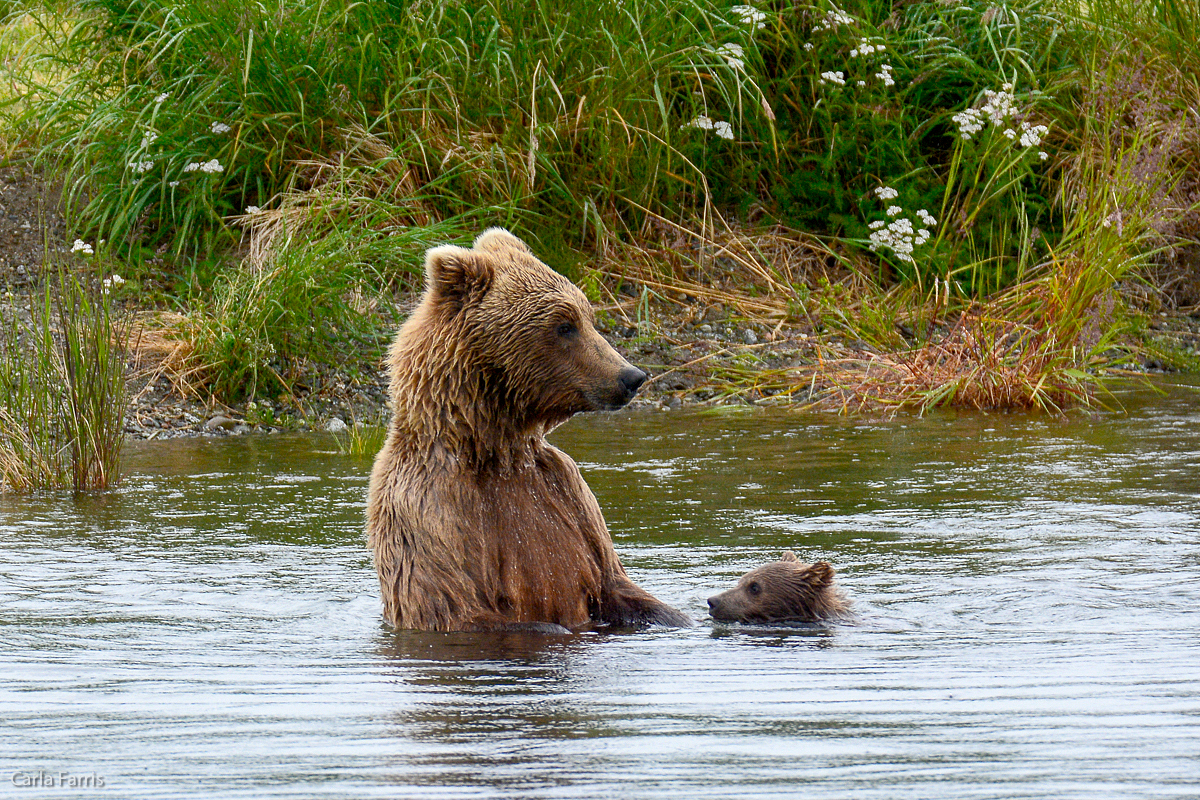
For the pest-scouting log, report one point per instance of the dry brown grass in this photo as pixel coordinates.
(760, 273)
(161, 345)
(1029, 347)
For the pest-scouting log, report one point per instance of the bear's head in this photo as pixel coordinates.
(515, 336)
(787, 590)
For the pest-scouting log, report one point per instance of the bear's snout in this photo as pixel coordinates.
(719, 607)
(632, 379)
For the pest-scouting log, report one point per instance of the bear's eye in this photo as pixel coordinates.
(754, 588)
(565, 329)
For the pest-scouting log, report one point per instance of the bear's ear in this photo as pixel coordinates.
(494, 239)
(457, 276)
(819, 574)
(788, 556)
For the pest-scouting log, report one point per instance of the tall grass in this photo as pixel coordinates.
(62, 390)
(955, 149)
(560, 113)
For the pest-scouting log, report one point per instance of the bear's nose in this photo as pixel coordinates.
(632, 379)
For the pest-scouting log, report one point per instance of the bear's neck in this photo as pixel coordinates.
(461, 418)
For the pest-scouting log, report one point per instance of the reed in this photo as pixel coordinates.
(62, 389)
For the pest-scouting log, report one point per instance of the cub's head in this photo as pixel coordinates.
(527, 331)
(787, 590)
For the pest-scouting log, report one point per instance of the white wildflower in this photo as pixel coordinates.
(834, 18)
(220, 127)
(749, 15)
(999, 105)
(162, 97)
(148, 139)
(114, 282)
(808, 46)
(141, 166)
(833, 77)
(885, 75)
(1043, 155)
(81, 246)
(173, 184)
(252, 209)
(969, 122)
(1010, 133)
(865, 48)
(207, 166)
(899, 235)
(722, 129)
(1031, 135)
(733, 54)
(862, 83)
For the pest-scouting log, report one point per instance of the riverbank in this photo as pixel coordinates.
(698, 352)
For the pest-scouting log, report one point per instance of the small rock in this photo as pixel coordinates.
(219, 421)
(749, 336)
(336, 425)
(241, 428)
(705, 328)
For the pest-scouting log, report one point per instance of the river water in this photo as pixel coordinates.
(1026, 589)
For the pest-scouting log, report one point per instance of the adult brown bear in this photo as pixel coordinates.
(475, 521)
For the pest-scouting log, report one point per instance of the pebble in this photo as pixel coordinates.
(336, 425)
(749, 336)
(219, 421)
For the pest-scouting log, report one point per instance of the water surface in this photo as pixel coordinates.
(1026, 588)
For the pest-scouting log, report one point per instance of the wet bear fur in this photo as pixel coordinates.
(787, 590)
(474, 520)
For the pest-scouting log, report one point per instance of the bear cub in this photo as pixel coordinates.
(787, 590)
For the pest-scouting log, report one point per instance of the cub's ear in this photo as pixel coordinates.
(495, 239)
(457, 276)
(819, 574)
(788, 556)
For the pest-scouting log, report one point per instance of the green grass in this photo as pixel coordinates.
(366, 131)
(62, 389)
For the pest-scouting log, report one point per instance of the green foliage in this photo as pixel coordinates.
(866, 96)
(575, 120)
(261, 328)
(559, 114)
(62, 389)
(361, 439)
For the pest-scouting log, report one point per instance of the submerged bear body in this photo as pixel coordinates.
(474, 520)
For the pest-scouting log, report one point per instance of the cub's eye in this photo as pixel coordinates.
(754, 588)
(565, 329)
